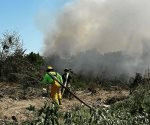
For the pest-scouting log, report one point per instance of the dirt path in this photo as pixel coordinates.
(99, 98)
(11, 107)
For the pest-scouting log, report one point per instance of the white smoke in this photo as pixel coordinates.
(105, 26)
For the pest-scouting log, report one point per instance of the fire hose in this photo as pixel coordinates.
(25, 75)
(70, 91)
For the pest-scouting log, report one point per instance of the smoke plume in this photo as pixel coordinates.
(101, 35)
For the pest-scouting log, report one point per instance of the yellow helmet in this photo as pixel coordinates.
(50, 68)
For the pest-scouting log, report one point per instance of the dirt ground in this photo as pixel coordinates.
(14, 101)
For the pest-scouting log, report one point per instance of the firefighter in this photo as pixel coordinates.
(53, 86)
(67, 79)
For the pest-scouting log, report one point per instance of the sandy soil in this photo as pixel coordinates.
(11, 105)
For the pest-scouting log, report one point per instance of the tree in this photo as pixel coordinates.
(10, 47)
(35, 59)
(10, 44)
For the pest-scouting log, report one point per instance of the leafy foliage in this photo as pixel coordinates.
(15, 65)
(132, 111)
(47, 115)
(35, 59)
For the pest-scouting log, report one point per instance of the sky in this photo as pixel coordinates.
(23, 17)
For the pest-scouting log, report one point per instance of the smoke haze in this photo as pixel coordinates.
(99, 35)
